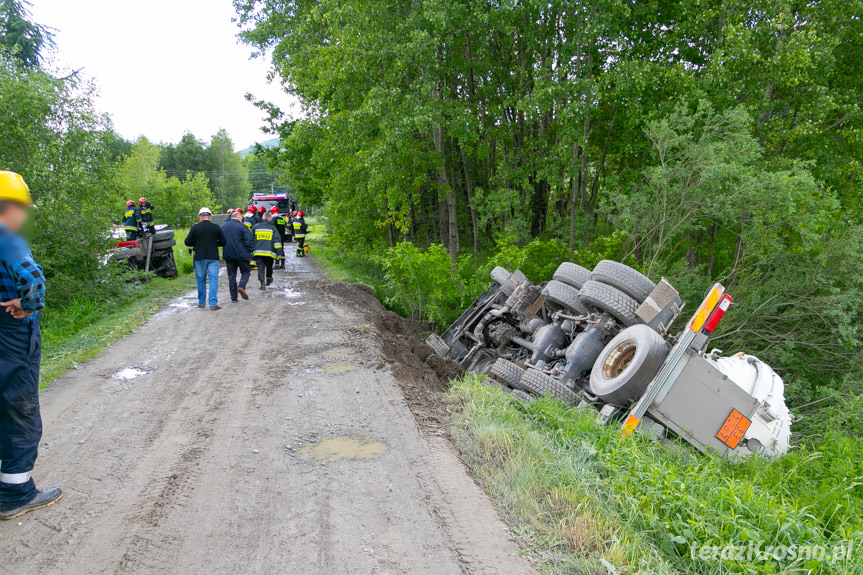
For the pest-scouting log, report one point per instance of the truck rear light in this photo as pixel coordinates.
(717, 313)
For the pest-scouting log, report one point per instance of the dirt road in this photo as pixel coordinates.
(271, 437)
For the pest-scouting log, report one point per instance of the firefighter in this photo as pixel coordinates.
(280, 223)
(268, 247)
(250, 220)
(146, 209)
(260, 213)
(132, 221)
(22, 293)
(300, 229)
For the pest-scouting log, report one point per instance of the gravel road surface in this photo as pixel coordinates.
(270, 437)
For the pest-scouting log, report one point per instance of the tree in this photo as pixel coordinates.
(20, 36)
(176, 200)
(229, 180)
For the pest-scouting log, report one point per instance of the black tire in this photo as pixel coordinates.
(598, 297)
(506, 372)
(124, 253)
(538, 383)
(515, 279)
(624, 278)
(499, 275)
(627, 365)
(164, 244)
(519, 394)
(572, 274)
(438, 345)
(163, 235)
(564, 296)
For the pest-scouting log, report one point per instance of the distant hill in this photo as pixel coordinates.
(274, 143)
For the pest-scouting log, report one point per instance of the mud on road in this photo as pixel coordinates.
(274, 436)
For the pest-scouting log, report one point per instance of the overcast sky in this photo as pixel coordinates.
(164, 66)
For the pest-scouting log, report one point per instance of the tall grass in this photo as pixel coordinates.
(584, 499)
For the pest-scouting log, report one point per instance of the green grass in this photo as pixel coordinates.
(78, 330)
(341, 265)
(583, 499)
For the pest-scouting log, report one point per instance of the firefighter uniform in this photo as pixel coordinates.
(280, 224)
(147, 222)
(132, 222)
(250, 220)
(20, 354)
(268, 247)
(300, 229)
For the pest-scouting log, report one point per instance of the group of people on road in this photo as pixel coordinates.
(254, 239)
(138, 219)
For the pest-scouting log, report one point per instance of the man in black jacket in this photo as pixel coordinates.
(206, 238)
(237, 253)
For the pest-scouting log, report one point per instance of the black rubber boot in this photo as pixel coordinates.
(42, 499)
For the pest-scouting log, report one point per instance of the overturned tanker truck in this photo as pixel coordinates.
(601, 339)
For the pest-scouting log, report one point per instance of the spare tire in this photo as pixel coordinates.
(164, 244)
(627, 365)
(538, 383)
(572, 274)
(621, 276)
(124, 253)
(506, 372)
(595, 296)
(565, 296)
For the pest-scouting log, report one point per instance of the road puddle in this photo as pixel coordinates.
(286, 293)
(330, 449)
(339, 368)
(339, 352)
(128, 373)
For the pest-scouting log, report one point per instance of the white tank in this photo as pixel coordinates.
(771, 424)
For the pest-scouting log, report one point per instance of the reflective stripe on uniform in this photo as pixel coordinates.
(15, 478)
(128, 229)
(264, 254)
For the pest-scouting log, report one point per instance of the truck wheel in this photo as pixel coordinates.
(438, 345)
(163, 235)
(124, 253)
(164, 244)
(629, 281)
(627, 365)
(539, 383)
(596, 296)
(499, 275)
(572, 274)
(565, 296)
(518, 394)
(506, 372)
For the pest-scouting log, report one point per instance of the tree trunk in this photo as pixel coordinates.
(469, 188)
(445, 191)
(582, 184)
(573, 201)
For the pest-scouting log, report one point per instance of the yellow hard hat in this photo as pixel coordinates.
(14, 189)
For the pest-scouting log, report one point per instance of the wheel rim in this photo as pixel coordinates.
(618, 360)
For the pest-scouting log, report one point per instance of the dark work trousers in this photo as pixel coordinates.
(20, 420)
(300, 242)
(265, 267)
(245, 272)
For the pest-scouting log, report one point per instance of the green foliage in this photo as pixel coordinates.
(640, 506)
(421, 281)
(20, 37)
(176, 201)
(228, 176)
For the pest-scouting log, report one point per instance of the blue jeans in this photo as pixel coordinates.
(205, 269)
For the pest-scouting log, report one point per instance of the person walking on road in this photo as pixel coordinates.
(22, 296)
(250, 220)
(268, 246)
(281, 223)
(206, 238)
(300, 229)
(237, 252)
(132, 221)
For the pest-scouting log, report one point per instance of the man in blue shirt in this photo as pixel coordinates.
(22, 296)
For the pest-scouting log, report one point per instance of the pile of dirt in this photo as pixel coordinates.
(422, 375)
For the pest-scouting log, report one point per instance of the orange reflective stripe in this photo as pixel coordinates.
(707, 306)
